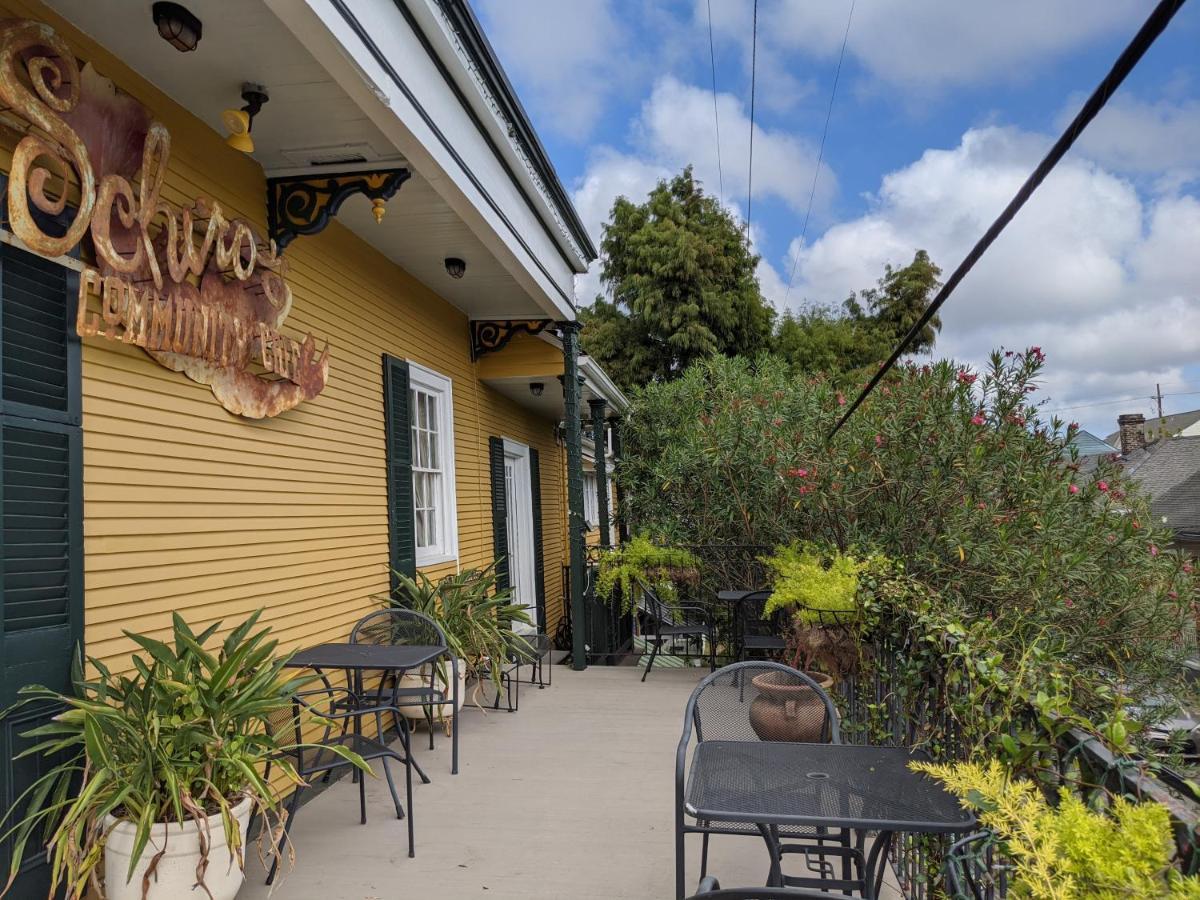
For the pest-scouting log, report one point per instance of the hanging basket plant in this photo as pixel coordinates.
(660, 568)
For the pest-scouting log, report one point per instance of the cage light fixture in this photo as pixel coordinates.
(455, 267)
(177, 26)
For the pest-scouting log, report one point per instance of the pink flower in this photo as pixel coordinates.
(1074, 489)
(841, 398)
(1153, 550)
(1102, 486)
(777, 421)
(1187, 568)
(965, 378)
(977, 419)
(798, 473)
(1069, 602)
(1074, 426)
(981, 505)
(878, 440)
(1173, 595)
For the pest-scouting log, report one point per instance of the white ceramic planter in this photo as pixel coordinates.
(175, 875)
(446, 710)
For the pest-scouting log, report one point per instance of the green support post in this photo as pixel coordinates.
(599, 441)
(569, 332)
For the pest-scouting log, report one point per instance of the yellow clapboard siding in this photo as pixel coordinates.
(190, 509)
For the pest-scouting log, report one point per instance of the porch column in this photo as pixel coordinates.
(575, 520)
(622, 520)
(599, 440)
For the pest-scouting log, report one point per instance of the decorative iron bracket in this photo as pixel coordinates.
(489, 336)
(304, 204)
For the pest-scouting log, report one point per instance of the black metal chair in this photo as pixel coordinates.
(521, 652)
(720, 710)
(973, 870)
(314, 757)
(674, 622)
(761, 634)
(403, 627)
(540, 647)
(711, 889)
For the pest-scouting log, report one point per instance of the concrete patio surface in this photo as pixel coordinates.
(571, 797)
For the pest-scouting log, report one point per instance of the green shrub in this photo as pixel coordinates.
(953, 473)
(1067, 851)
(820, 586)
(659, 567)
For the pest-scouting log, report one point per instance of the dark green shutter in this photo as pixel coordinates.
(402, 537)
(41, 512)
(499, 511)
(539, 563)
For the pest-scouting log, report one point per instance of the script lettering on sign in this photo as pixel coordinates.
(200, 293)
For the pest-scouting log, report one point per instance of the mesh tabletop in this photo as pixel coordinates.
(365, 656)
(836, 785)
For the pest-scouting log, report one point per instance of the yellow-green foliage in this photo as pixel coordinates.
(642, 559)
(1070, 852)
(813, 582)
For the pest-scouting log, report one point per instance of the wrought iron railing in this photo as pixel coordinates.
(877, 709)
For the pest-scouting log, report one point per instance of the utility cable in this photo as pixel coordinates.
(1129, 58)
(820, 154)
(753, 77)
(712, 57)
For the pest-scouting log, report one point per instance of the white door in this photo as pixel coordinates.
(518, 493)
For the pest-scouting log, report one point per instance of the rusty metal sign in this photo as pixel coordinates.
(202, 294)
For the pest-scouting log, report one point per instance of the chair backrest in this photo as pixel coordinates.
(398, 627)
(972, 872)
(754, 619)
(762, 700)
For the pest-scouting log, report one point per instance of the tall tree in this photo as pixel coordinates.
(867, 327)
(681, 277)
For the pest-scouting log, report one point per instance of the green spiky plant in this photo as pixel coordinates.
(477, 618)
(183, 737)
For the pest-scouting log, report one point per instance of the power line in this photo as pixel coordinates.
(712, 57)
(1142, 41)
(753, 77)
(1122, 400)
(820, 153)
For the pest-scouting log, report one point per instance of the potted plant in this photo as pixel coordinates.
(152, 776)
(659, 567)
(479, 621)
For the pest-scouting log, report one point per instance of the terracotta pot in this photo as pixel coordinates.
(784, 711)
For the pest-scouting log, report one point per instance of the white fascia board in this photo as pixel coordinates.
(597, 380)
(369, 48)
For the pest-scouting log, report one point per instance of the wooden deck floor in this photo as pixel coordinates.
(569, 798)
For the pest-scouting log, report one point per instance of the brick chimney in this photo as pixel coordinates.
(1133, 432)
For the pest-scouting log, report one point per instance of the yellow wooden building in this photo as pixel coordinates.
(396, 207)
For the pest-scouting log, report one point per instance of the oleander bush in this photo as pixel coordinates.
(954, 474)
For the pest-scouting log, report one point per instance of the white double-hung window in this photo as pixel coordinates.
(591, 500)
(431, 410)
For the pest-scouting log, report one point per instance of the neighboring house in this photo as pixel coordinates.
(1184, 424)
(342, 342)
(1168, 471)
(1089, 449)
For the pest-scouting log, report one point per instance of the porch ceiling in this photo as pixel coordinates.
(308, 118)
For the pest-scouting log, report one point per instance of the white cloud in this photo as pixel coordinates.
(1131, 135)
(675, 128)
(934, 43)
(568, 57)
(1105, 281)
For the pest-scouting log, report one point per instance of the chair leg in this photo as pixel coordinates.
(392, 787)
(408, 767)
(704, 855)
(429, 720)
(293, 806)
(405, 735)
(653, 654)
(362, 799)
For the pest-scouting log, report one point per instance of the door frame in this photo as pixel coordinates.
(520, 503)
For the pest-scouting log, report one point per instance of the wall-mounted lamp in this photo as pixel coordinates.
(536, 388)
(455, 267)
(177, 26)
(238, 122)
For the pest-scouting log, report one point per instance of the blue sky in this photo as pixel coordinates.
(942, 109)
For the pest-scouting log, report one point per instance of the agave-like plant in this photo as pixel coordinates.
(476, 617)
(186, 735)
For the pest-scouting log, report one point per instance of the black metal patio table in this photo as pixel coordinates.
(868, 789)
(398, 658)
